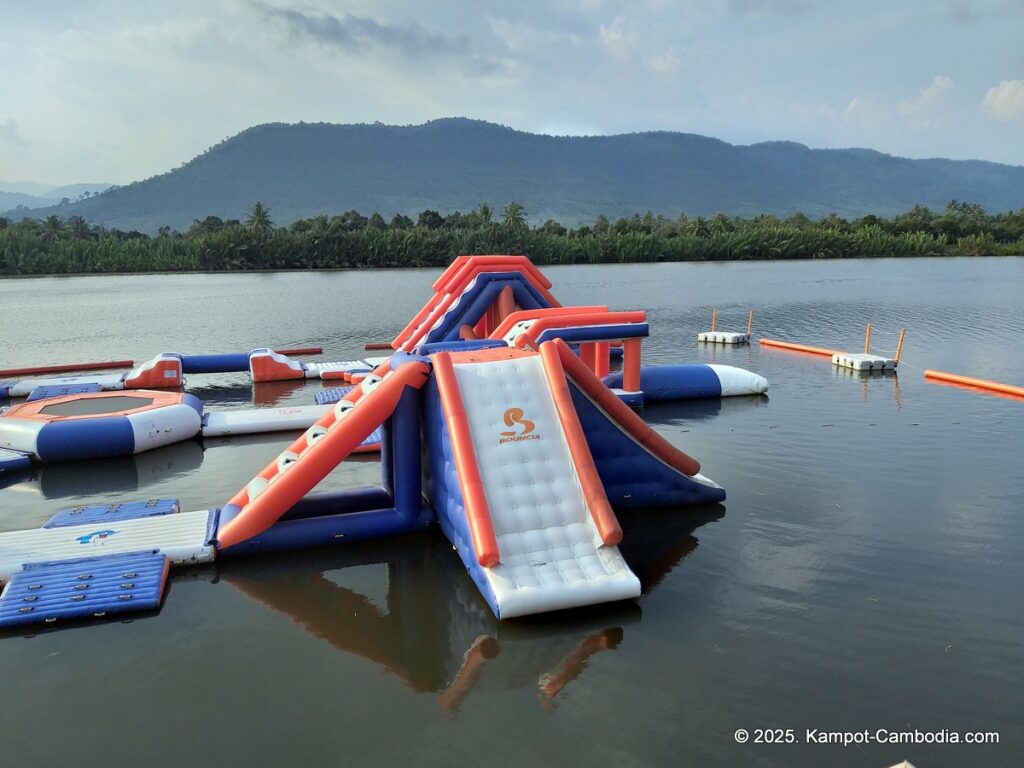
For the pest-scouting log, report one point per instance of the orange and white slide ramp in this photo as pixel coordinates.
(542, 531)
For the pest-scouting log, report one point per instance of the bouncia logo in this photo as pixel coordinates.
(99, 536)
(514, 418)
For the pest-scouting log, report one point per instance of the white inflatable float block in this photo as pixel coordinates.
(181, 537)
(739, 381)
(862, 362)
(257, 420)
(723, 337)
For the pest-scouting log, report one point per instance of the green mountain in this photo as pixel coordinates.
(455, 164)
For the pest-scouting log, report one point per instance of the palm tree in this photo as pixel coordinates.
(259, 218)
(80, 228)
(515, 216)
(484, 213)
(53, 228)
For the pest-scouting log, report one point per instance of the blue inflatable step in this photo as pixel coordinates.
(90, 587)
(101, 514)
(332, 395)
(11, 461)
(46, 391)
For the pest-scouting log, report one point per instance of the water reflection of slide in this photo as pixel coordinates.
(429, 625)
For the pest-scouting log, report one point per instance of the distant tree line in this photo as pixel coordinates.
(55, 245)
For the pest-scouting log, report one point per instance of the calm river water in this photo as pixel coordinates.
(864, 573)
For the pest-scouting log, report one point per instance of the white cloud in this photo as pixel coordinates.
(1005, 101)
(521, 36)
(667, 63)
(619, 37)
(927, 98)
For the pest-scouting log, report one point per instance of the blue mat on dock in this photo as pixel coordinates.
(90, 587)
(46, 391)
(331, 395)
(111, 513)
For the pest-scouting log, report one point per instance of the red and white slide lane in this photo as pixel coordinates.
(547, 535)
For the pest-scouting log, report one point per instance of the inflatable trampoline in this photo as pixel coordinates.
(100, 424)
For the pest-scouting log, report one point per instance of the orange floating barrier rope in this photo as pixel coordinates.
(67, 368)
(798, 347)
(968, 381)
(300, 351)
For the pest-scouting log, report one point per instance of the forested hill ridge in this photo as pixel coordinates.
(454, 164)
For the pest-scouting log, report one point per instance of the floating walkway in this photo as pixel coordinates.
(164, 371)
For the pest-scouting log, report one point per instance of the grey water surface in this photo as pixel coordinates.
(864, 573)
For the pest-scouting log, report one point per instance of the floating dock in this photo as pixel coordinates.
(715, 336)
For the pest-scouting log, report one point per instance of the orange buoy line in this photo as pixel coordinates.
(799, 347)
(968, 381)
(67, 368)
(300, 351)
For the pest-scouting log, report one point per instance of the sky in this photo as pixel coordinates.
(103, 91)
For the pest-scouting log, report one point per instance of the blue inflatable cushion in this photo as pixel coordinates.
(89, 587)
(46, 391)
(110, 513)
(331, 395)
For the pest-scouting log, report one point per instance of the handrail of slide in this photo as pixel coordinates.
(590, 482)
(313, 455)
(478, 513)
(583, 319)
(638, 429)
(535, 314)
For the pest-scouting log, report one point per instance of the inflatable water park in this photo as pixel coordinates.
(496, 414)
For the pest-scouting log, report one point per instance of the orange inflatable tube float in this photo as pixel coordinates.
(798, 347)
(973, 383)
(590, 482)
(478, 512)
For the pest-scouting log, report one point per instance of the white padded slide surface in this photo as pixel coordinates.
(552, 556)
(182, 537)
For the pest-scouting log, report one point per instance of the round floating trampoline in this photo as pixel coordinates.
(100, 424)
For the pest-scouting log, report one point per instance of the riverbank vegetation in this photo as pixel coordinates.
(72, 246)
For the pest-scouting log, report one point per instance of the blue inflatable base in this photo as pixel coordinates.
(90, 587)
(673, 382)
(12, 461)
